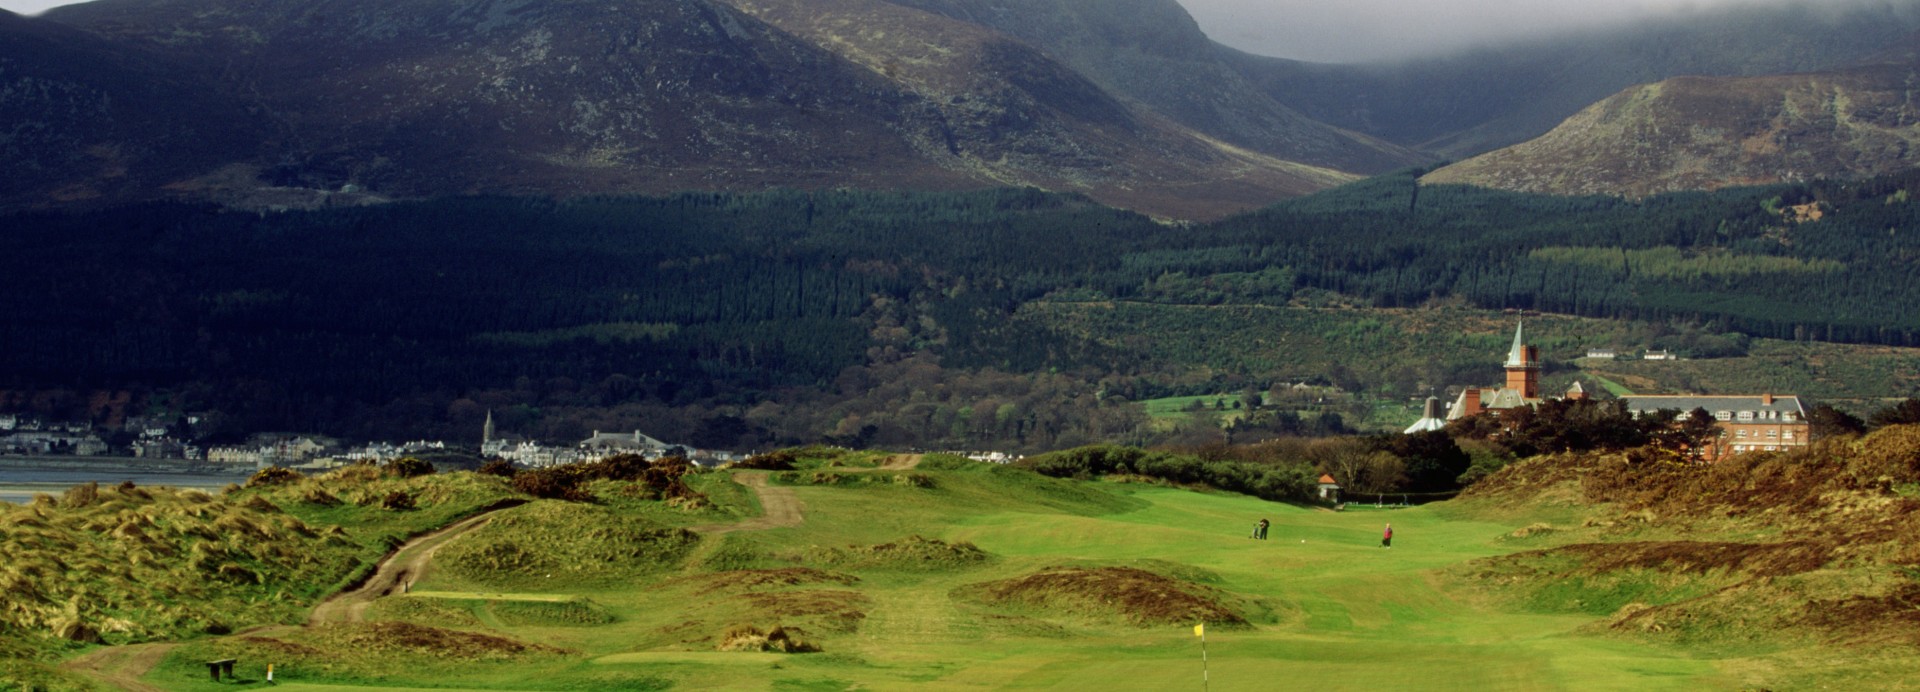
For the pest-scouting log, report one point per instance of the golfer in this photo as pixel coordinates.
(1386, 537)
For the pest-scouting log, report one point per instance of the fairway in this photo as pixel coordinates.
(1324, 605)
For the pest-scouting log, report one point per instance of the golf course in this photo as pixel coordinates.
(892, 572)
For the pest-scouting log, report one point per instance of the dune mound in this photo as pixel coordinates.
(763, 579)
(910, 553)
(1128, 594)
(1825, 551)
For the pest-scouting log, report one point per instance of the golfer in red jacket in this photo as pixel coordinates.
(1386, 538)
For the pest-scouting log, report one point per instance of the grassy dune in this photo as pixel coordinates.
(894, 584)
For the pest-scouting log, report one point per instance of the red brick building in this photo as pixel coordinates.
(1747, 423)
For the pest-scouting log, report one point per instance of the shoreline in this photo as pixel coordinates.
(22, 477)
(120, 464)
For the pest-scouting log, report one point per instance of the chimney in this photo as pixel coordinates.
(1473, 402)
(1766, 399)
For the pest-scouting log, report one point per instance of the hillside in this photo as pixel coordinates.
(1008, 319)
(436, 97)
(89, 119)
(1152, 52)
(1696, 133)
(352, 102)
(1763, 552)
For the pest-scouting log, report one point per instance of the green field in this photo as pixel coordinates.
(1324, 606)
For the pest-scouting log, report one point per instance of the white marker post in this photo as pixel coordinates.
(1200, 631)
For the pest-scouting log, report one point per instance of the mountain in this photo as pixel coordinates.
(432, 97)
(1153, 53)
(1474, 102)
(88, 119)
(266, 105)
(1694, 133)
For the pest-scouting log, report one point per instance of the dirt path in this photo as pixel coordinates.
(779, 507)
(121, 667)
(405, 566)
(901, 462)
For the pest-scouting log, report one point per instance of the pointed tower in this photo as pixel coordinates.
(1523, 366)
(486, 430)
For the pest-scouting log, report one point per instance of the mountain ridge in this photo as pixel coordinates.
(1694, 133)
(434, 97)
(260, 105)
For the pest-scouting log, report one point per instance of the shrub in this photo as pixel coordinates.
(772, 461)
(273, 475)
(398, 500)
(409, 467)
(499, 467)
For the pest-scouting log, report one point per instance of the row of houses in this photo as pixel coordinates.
(1648, 354)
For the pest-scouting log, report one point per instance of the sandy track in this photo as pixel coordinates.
(779, 507)
(901, 462)
(121, 667)
(405, 565)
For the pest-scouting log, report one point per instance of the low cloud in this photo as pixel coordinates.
(31, 6)
(1367, 30)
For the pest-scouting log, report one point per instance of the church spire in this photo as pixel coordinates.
(1517, 357)
(1523, 366)
(486, 431)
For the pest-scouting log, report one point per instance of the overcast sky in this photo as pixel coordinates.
(1358, 30)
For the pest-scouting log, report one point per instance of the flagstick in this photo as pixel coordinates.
(1206, 683)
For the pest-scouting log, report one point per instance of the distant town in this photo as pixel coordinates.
(164, 438)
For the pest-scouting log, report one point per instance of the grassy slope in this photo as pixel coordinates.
(1292, 344)
(1334, 611)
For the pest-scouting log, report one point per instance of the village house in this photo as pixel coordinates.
(1747, 423)
(617, 443)
(235, 455)
(1329, 488)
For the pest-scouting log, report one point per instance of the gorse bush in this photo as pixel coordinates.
(660, 480)
(1270, 481)
(499, 467)
(409, 467)
(273, 475)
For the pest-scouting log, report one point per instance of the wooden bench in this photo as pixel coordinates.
(223, 665)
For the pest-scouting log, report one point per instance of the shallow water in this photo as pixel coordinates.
(20, 481)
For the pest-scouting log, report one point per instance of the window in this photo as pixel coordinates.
(1773, 433)
(1742, 433)
(1788, 435)
(1723, 415)
(1746, 415)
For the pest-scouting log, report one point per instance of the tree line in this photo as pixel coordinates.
(400, 319)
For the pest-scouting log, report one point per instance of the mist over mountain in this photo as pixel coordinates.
(1126, 101)
(1480, 100)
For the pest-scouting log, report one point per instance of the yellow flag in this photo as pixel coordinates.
(1200, 630)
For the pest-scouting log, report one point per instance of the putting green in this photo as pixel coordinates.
(484, 596)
